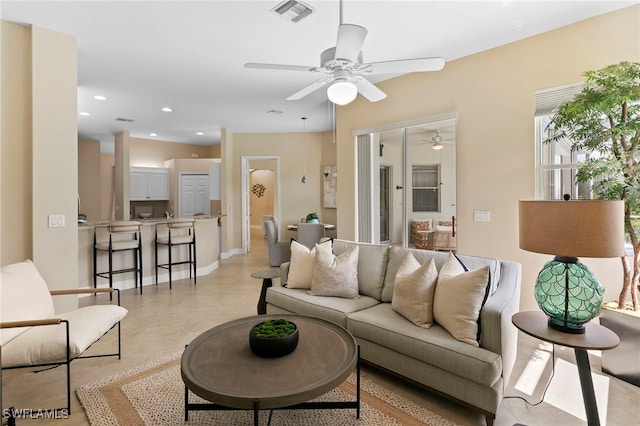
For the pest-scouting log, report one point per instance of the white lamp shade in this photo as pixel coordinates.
(342, 92)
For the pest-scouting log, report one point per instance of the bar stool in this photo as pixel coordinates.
(123, 236)
(177, 232)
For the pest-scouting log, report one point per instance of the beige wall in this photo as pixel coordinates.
(493, 94)
(39, 138)
(153, 153)
(89, 179)
(16, 149)
(107, 195)
(297, 152)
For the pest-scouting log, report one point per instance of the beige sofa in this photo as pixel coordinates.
(472, 376)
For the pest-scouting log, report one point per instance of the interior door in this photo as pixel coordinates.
(194, 194)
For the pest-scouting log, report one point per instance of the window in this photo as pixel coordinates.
(425, 185)
(557, 164)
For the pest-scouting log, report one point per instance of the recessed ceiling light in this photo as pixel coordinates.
(153, 134)
(199, 133)
(167, 109)
(86, 114)
(99, 98)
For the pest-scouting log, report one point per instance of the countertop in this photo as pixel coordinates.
(144, 222)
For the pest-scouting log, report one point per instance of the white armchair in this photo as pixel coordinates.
(33, 335)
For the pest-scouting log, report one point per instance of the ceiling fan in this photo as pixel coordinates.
(345, 69)
(437, 142)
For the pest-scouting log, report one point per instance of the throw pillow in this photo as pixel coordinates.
(301, 263)
(413, 289)
(458, 298)
(336, 275)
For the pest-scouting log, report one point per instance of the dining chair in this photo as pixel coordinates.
(310, 233)
(279, 251)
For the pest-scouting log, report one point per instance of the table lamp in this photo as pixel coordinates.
(566, 290)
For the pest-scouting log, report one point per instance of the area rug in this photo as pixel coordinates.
(153, 395)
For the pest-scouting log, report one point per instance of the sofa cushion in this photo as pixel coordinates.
(372, 265)
(301, 263)
(413, 291)
(396, 255)
(458, 298)
(18, 282)
(335, 275)
(382, 326)
(334, 309)
(47, 343)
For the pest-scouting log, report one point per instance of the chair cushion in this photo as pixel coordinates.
(46, 344)
(175, 239)
(23, 296)
(118, 245)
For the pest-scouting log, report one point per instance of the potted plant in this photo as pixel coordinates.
(312, 217)
(605, 118)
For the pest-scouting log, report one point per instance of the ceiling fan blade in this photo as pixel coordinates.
(405, 66)
(369, 90)
(279, 67)
(350, 40)
(308, 89)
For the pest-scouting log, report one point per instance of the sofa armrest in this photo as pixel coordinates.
(284, 273)
(498, 334)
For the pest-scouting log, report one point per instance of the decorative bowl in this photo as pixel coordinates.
(273, 338)
(144, 215)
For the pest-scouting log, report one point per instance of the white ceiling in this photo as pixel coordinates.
(144, 55)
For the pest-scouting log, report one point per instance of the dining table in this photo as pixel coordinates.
(327, 227)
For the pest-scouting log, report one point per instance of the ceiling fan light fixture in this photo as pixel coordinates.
(342, 92)
(437, 146)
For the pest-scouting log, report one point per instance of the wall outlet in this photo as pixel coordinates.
(56, 221)
(481, 216)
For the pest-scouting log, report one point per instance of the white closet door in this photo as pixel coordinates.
(194, 194)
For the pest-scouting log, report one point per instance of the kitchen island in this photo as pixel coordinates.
(207, 252)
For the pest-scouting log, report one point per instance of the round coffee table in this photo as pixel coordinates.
(220, 367)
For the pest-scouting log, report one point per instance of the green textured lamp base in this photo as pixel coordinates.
(569, 294)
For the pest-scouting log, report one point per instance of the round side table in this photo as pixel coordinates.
(595, 337)
(267, 276)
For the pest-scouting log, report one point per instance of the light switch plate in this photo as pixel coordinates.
(56, 221)
(481, 216)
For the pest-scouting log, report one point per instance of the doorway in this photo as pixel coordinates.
(260, 195)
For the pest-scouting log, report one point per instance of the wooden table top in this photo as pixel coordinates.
(220, 367)
(596, 337)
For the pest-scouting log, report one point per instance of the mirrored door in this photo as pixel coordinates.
(416, 180)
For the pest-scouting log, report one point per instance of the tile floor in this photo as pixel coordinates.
(161, 322)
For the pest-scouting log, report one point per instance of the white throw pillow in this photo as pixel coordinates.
(413, 290)
(301, 263)
(458, 298)
(336, 275)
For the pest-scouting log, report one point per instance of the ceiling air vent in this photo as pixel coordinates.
(126, 120)
(292, 10)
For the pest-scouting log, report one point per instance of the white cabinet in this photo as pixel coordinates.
(149, 183)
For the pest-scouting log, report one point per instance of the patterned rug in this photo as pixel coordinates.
(153, 394)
